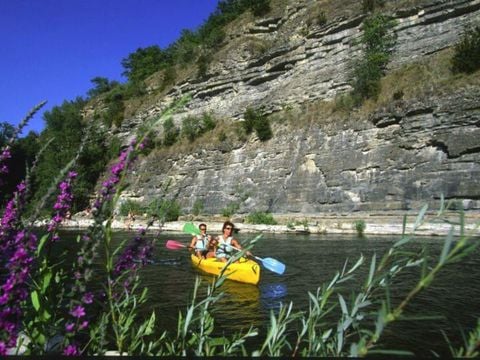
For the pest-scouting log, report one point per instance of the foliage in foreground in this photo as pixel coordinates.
(41, 312)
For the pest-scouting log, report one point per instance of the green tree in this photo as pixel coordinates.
(144, 62)
(66, 128)
(378, 42)
(102, 85)
(23, 152)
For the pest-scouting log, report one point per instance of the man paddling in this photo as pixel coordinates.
(202, 243)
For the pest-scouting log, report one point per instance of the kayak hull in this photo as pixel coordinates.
(245, 270)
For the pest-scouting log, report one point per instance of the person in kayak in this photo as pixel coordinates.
(226, 242)
(202, 244)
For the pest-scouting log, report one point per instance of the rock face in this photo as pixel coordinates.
(396, 159)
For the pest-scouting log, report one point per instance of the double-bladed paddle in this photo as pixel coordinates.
(269, 263)
(174, 245)
(191, 229)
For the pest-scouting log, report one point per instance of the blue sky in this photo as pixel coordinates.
(53, 48)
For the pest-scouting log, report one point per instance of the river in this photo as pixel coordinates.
(312, 260)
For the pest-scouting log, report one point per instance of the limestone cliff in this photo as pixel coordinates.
(394, 155)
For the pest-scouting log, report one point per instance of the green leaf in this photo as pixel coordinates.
(343, 304)
(358, 263)
(372, 270)
(218, 341)
(35, 300)
(420, 217)
(392, 352)
(46, 281)
(46, 315)
(41, 243)
(446, 246)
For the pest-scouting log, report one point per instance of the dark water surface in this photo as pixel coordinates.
(311, 261)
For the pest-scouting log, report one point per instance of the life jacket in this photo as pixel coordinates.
(224, 248)
(202, 242)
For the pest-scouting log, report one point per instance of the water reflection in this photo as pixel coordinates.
(273, 295)
(312, 261)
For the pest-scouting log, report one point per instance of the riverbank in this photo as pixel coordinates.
(390, 223)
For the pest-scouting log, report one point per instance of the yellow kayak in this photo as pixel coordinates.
(245, 270)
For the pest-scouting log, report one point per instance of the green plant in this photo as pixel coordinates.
(378, 43)
(222, 136)
(254, 120)
(131, 206)
(260, 7)
(144, 62)
(208, 122)
(190, 128)
(197, 207)
(164, 209)
(260, 217)
(170, 132)
(360, 227)
(102, 85)
(467, 52)
(230, 209)
(193, 127)
(371, 5)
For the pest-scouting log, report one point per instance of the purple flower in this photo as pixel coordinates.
(78, 312)
(63, 204)
(69, 327)
(87, 298)
(71, 350)
(17, 247)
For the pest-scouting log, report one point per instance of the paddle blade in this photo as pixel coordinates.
(273, 265)
(189, 228)
(174, 245)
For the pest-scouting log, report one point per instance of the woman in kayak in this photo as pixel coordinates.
(202, 244)
(226, 243)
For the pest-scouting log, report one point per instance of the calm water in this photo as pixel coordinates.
(312, 260)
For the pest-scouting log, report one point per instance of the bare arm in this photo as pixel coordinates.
(193, 242)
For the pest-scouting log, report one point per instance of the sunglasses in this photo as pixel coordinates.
(202, 228)
(228, 228)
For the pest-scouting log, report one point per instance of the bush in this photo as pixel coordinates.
(208, 122)
(164, 210)
(190, 128)
(170, 132)
(260, 7)
(360, 227)
(371, 5)
(197, 207)
(144, 62)
(102, 85)
(377, 42)
(193, 127)
(259, 217)
(133, 207)
(254, 120)
(230, 209)
(467, 52)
